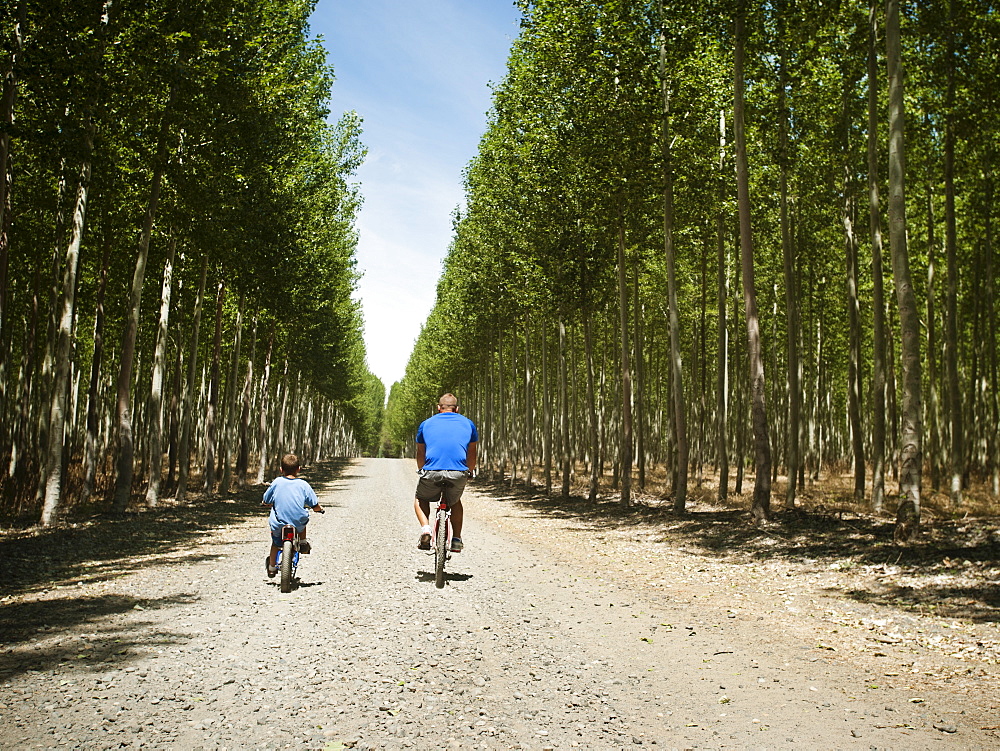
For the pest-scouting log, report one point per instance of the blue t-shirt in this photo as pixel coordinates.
(290, 496)
(447, 436)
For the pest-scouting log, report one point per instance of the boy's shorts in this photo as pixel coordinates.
(276, 534)
(434, 483)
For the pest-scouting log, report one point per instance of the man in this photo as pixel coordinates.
(446, 458)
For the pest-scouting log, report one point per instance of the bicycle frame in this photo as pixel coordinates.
(441, 547)
(288, 533)
(442, 507)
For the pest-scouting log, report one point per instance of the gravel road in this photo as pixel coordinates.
(526, 647)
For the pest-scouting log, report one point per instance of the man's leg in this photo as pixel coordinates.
(456, 520)
(423, 510)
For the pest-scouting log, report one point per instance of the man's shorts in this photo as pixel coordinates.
(434, 483)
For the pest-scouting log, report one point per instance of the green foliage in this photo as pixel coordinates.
(573, 154)
(233, 98)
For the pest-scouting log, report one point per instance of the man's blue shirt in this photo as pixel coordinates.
(447, 436)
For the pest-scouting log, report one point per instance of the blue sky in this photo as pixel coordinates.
(418, 72)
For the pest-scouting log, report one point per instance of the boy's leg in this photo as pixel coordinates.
(304, 546)
(273, 558)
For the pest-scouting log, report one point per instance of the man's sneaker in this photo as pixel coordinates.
(425, 541)
(456, 545)
(304, 546)
(271, 571)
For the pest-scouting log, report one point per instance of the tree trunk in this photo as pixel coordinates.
(595, 446)
(761, 507)
(93, 397)
(935, 459)
(281, 444)
(564, 413)
(854, 353)
(878, 284)
(993, 443)
(529, 409)
(722, 331)
(187, 409)
(62, 353)
(676, 367)
(126, 445)
(155, 405)
(957, 464)
(243, 457)
(792, 453)
(911, 432)
(8, 95)
(264, 425)
(46, 376)
(229, 409)
(212, 408)
(640, 387)
(173, 409)
(546, 418)
(625, 449)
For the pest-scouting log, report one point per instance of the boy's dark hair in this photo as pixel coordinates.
(289, 464)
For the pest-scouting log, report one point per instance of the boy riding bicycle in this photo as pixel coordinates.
(289, 496)
(446, 456)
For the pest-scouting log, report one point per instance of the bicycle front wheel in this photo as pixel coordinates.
(287, 555)
(440, 548)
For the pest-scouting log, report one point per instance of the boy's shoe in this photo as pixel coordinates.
(425, 541)
(267, 565)
(304, 546)
(456, 545)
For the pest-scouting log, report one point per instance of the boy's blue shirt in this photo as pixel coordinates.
(290, 496)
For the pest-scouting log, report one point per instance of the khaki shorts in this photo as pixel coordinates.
(435, 483)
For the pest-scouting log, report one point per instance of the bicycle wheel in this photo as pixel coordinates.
(440, 548)
(287, 553)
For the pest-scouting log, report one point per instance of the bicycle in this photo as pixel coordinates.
(441, 541)
(441, 532)
(287, 559)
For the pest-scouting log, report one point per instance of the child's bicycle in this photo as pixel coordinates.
(288, 557)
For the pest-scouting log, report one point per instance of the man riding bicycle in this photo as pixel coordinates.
(446, 458)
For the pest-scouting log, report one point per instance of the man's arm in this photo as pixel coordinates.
(471, 454)
(421, 455)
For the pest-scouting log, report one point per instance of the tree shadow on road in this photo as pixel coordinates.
(951, 567)
(86, 632)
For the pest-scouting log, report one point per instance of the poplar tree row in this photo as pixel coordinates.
(672, 260)
(176, 253)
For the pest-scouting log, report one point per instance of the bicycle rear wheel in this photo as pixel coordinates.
(440, 547)
(287, 559)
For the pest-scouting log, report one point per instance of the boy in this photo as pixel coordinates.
(288, 496)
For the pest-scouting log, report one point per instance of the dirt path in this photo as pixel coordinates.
(547, 635)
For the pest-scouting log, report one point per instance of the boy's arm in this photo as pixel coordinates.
(267, 500)
(311, 500)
